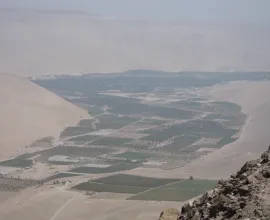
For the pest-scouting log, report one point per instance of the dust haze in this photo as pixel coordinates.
(121, 109)
(40, 42)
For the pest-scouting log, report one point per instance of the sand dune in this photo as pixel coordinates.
(42, 42)
(29, 112)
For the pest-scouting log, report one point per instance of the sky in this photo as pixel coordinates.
(213, 11)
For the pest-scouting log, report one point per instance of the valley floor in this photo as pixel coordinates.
(63, 204)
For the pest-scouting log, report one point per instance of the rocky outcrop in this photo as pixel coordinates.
(169, 214)
(246, 195)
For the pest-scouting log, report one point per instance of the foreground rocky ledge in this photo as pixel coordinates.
(246, 195)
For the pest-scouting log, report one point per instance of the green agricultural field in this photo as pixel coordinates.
(228, 106)
(73, 131)
(138, 181)
(26, 156)
(60, 162)
(120, 166)
(59, 176)
(182, 191)
(22, 163)
(94, 111)
(72, 152)
(111, 141)
(86, 123)
(181, 142)
(152, 122)
(225, 141)
(97, 187)
(84, 138)
(134, 155)
(114, 122)
(195, 127)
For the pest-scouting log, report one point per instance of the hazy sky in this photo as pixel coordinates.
(217, 11)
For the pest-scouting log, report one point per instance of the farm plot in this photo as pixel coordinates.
(73, 131)
(113, 122)
(237, 120)
(134, 155)
(180, 143)
(26, 156)
(10, 184)
(141, 144)
(194, 127)
(95, 110)
(150, 121)
(98, 187)
(60, 176)
(72, 152)
(123, 134)
(182, 191)
(111, 141)
(22, 163)
(225, 141)
(86, 123)
(119, 166)
(130, 180)
(43, 142)
(226, 106)
(84, 138)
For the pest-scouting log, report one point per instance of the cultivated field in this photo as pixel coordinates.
(181, 191)
(12, 184)
(142, 145)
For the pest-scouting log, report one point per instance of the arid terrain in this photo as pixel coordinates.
(154, 141)
(40, 42)
(29, 112)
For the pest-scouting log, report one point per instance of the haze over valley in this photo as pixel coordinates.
(62, 42)
(120, 112)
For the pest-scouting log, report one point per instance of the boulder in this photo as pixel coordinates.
(243, 190)
(169, 214)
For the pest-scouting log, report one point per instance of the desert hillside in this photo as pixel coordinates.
(29, 112)
(43, 42)
(244, 196)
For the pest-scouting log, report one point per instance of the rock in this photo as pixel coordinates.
(243, 190)
(266, 173)
(213, 210)
(204, 198)
(251, 179)
(242, 204)
(234, 198)
(243, 176)
(233, 176)
(258, 213)
(169, 214)
(186, 208)
(247, 166)
(228, 188)
(265, 157)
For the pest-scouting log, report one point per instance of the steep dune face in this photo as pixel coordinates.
(42, 42)
(29, 112)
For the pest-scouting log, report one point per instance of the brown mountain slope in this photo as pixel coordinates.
(40, 43)
(29, 112)
(245, 195)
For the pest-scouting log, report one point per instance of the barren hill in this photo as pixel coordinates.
(29, 112)
(42, 42)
